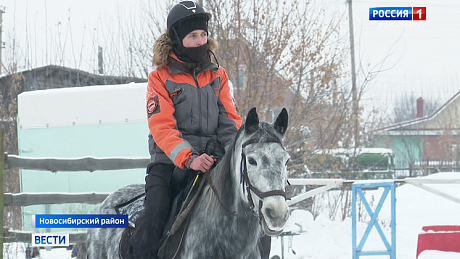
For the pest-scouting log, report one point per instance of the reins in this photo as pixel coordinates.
(214, 190)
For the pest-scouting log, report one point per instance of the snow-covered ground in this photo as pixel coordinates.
(415, 208)
(325, 239)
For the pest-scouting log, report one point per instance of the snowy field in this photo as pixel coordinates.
(415, 208)
(325, 239)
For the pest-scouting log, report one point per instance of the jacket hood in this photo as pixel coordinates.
(163, 46)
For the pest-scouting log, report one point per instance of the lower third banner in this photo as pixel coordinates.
(79, 221)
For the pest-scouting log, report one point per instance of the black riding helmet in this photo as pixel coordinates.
(182, 11)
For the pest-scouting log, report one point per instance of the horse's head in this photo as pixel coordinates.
(263, 170)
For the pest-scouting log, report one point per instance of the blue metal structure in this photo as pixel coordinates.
(357, 190)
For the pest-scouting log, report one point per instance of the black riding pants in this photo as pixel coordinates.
(150, 223)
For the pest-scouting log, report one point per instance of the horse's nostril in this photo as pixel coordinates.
(269, 212)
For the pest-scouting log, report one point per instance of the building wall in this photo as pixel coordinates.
(432, 150)
(104, 140)
(442, 148)
(95, 121)
(405, 148)
(48, 77)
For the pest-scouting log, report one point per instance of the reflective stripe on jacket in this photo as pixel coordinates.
(186, 109)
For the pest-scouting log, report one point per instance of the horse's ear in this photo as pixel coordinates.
(281, 122)
(252, 121)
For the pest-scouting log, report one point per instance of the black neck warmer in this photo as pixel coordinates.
(192, 55)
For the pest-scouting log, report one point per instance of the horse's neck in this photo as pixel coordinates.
(229, 223)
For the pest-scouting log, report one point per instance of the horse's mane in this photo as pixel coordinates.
(221, 175)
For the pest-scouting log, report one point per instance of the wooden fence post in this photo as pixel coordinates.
(2, 185)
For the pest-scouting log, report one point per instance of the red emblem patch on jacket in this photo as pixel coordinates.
(175, 93)
(153, 106)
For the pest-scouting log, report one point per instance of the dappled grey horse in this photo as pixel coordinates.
(243, 199)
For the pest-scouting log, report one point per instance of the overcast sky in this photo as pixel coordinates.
(420, 57)
(425, 57)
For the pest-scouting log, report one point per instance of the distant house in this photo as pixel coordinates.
(427, 143)
(49, 77)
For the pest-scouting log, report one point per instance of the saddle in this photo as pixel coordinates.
(181, 206)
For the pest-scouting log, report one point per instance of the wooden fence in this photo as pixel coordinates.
(54, 165)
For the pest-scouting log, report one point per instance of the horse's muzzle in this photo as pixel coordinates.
(275, 213)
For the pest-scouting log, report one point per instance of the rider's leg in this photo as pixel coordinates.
(266, 243)
(150, 223)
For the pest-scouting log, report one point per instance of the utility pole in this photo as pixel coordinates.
(353, 74)
(355, 116)
(2, 45)
(2, 186)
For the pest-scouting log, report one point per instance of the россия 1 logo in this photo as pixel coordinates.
(397, 13)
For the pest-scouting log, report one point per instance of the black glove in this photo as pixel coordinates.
(214, 148)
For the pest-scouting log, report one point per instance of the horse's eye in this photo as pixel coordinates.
(252, 161)
(287, 162)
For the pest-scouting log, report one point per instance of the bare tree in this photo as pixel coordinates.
(406, 107)
(289, 54)
(8, 121)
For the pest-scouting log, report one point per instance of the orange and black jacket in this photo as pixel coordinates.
(188, 104)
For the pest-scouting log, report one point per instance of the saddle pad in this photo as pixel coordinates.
(132, 208)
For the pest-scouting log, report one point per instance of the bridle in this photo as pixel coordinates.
(246, 183)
